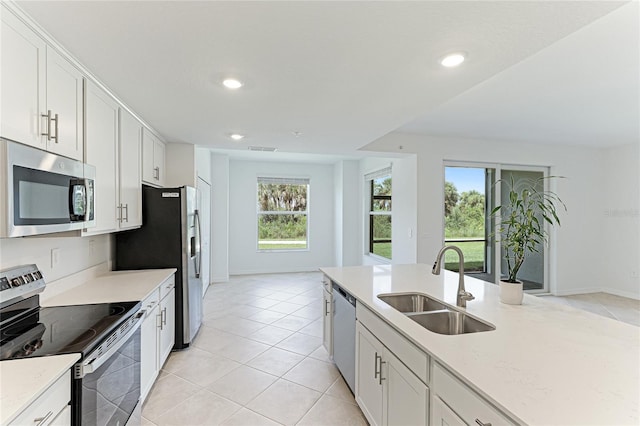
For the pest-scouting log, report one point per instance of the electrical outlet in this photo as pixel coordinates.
(635, 275)
(55, 257)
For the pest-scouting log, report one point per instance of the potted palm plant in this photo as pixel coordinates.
(521, 228)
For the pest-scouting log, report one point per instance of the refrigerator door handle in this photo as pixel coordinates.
(196, 244)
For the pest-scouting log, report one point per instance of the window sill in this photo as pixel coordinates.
(379, 259)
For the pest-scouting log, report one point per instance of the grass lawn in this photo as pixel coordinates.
(473, 256)
(382, 249)
(293, 245)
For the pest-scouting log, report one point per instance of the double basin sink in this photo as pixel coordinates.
(435, 315)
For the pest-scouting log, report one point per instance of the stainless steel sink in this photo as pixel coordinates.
(434, 315)
(412, 302)
(450, 322)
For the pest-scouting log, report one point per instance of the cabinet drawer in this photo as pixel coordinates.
(166, 287)
(48, 405)
(326, 283)
(467, 404)
(149, 304)
(411, 356)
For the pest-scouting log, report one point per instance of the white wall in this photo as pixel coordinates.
(620, 210)
(348, 218)
(219, 217)
(577, 242)
(76, 253)
(243, 255)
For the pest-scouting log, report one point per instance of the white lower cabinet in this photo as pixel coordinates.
(49, 408)
(157, 334)
(441, 415)
(327, 316)
(386, 390)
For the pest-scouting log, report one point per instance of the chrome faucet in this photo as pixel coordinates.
(463, 295)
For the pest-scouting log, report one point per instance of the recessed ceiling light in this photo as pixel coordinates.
(232, 83)
(236, 136)
(453, 60)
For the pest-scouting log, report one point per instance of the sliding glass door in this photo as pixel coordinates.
(471, 192)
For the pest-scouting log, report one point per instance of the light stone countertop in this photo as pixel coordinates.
(114, 286)
(545, 364)
(23, 380)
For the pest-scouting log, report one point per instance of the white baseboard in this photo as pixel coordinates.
(616, 292)
(220, 279)
(608, 290)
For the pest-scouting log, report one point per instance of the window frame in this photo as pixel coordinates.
(283, 181)
(370, 178)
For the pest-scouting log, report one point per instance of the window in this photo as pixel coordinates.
(380, 212)
(282, 213)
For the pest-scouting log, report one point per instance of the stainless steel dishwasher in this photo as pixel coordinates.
(344, 334)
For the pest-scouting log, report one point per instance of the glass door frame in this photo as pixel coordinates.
(497, 249)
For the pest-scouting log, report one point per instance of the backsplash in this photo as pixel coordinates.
(70, 254)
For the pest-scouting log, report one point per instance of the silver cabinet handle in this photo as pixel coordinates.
(380, 378)
(126, 209)
(119, 209)
(41, 420)
(326, 307)
(479, 422)
(163, 318)
(375, 366)
(159, 320)
(156, 173)
(56, 120)
(48, 132)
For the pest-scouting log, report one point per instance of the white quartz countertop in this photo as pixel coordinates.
(545, 364)
(23, 380)
(114, 286)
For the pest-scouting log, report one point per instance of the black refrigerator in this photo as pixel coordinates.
(169, 238)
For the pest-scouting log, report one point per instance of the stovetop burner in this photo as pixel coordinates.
(61, 329)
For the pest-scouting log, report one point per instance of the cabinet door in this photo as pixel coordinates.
(406, 397)
(22, 81)
(102, 152)
(327, 326)
(159, 162)
(368, 382)
(441, 415)
(149, 349)
(64, 98)
(130, 205)
(63, 418)
(167, 329)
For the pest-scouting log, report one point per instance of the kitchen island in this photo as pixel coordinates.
(544, 363)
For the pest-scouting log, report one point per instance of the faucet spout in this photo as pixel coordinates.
(463, 295)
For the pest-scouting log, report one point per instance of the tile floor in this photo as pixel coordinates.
(257, 360)
(604, 304)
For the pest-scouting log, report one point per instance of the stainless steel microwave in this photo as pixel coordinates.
(43, 193)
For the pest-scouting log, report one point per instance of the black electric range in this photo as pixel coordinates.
(106, 380)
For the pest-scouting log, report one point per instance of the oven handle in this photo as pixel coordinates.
(96, 358)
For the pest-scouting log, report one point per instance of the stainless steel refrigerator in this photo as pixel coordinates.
(169, 238)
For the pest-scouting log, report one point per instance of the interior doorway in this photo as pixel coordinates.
(204, 206)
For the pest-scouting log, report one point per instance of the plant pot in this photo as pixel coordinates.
(511, 293)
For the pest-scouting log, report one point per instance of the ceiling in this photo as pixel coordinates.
(343, 74)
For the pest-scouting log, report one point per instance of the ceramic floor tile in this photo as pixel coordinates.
(313, 329)
(340, 390)
(242, 384)
(267, 317)
(285, 307)
(270, 335)
(334, 412)
(275, 361)
(291, 322)
(263, 303)
(312, 312)
(280, 296)
(181, 359)
(146, 422)
(204, 371)
(165, 394)
(314, 374)
(300, 343)
(202, 409)
(235, 325)
(245, 417)
(241, 349)
(284, 402)
(321, 354)
(303, 299)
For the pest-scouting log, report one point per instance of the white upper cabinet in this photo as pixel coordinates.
(23, 58)
(41, 92)
(130, 203)
(64, 100)
(153, 162)
(102, 152)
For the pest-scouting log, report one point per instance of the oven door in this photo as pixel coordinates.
(106, 389)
